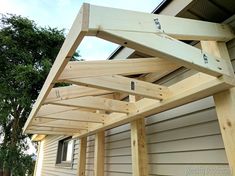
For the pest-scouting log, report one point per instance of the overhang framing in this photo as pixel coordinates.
(96, 85)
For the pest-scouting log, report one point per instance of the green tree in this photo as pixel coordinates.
(26, 55)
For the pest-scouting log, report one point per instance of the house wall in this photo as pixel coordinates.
(184, 141)
(49, 167)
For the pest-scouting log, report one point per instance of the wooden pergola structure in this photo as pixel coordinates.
(105, 94)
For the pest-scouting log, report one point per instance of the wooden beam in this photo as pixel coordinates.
(76, 116)
(48, 109)
(45, 132)
(99, 154)
(138, 146)
(224, 103)
(160, 45)
(99, 104)
(74, 91)
(61, 124)
(152, 77)
(54, 130)
(125, 85)
(38, 137)
(81, 69)
(190, 89)
(82, 157)
(77, 32)
(125, 20)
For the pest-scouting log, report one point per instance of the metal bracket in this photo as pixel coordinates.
(132, 85)
(205, 58)
(156, 21)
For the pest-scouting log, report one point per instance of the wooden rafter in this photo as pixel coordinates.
(115, 67)
(52, 109)
(76, 116)
(59, 124)
(55, 130)
(67, 92)
(125, 85)
(166, 47)
(38, 137)
(98, 103)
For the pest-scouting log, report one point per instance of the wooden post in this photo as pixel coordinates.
(99, 154)
(138, 146)
(82, 157)
(225, 105)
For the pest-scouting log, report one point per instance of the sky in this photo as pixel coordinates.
(61, 14)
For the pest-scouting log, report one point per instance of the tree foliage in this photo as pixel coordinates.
(26, 55)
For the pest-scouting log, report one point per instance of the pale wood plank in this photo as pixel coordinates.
(99, 154)
(61, 124)
(163, 46)
(80, 69)
(82, 157)
(125, 85)
(74, 91)
(99, 104)
(49, 132)
(76, 116)
(48, 109)
(37, 137)
(125, 20)
(54, 130)
(224, 103)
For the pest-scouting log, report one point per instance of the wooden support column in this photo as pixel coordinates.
(82, 156)
(99, 154)
(225, 105)
(138, 146)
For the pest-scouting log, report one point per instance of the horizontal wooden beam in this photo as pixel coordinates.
(38, 137)
(98, 103)
(45, 132)
(48, 109)
(179, 28)
(168, 48)
(125, 85)
(193, 88)
(78, 69)
(59, 124)
(65, 122)
(76, 116)
(77, 32)
(60, 130)
(74, 91)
